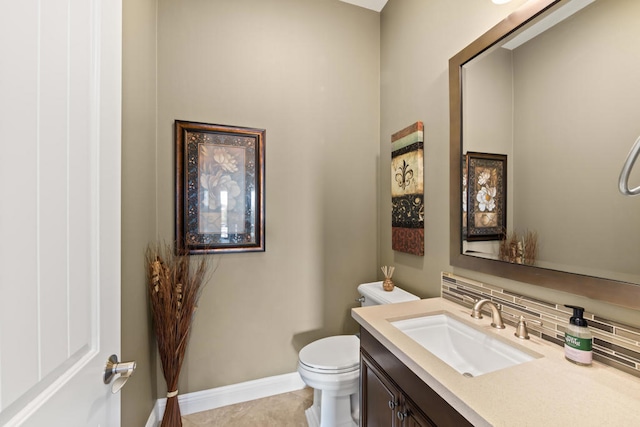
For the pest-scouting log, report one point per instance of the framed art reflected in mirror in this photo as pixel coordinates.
(487, 194)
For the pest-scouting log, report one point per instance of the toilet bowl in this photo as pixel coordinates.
(331, 366)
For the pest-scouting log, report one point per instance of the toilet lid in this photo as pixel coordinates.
(337, 353)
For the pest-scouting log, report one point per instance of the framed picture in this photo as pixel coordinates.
(219, 188)
(464, 196)
(487, 196)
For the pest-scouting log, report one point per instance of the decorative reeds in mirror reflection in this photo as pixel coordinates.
(519, 249)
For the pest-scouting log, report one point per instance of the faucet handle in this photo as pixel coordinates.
(468, 298)
(521, 328)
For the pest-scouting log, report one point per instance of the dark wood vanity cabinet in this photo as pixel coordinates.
(378, 398)
(385, 404)
(393, 396)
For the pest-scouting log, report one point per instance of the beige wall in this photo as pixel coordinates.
(139, 225)
(330, 82)
(488, 121)
(417, 40)
(308, 73)
(583, 221)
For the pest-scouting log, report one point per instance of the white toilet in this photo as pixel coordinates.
(331, 366)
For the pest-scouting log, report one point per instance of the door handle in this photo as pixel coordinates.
(113, 368)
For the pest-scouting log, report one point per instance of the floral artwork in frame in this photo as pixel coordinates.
(407, 190)
(464, 196)
(487, 194)
(219, 188)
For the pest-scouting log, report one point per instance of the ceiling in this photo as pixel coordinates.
(376, 5)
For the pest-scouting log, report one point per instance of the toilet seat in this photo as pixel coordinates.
(331, 355)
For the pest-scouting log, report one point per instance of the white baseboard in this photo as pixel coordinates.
(228, 395)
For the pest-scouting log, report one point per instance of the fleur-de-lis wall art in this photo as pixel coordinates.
(404, 175)
(407, 190)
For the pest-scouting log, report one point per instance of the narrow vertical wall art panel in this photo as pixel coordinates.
(407, 190)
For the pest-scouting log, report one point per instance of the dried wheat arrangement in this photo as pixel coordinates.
(174, 286)
(520, 250)
(530, 250)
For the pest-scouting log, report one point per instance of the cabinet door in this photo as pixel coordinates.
(378, 398)
(413, 417)
(417, 403)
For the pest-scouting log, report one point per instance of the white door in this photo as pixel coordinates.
(60, 92)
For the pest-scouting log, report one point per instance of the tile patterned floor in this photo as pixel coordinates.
(282, 410)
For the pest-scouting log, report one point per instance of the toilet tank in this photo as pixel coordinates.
(374, 294)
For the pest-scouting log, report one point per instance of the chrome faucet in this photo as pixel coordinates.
(496, 317)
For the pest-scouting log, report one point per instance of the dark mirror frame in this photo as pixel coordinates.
(611, 291)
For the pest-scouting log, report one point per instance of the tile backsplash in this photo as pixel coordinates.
(614, 343)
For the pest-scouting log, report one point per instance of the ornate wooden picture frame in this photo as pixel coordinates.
(487, 196)
(219, 188)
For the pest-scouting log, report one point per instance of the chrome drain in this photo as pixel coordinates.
(468, 375)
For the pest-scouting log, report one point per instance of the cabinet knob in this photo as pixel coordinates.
(392, 404)
(403, 415)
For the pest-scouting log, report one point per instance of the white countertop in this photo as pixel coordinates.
(548, 391)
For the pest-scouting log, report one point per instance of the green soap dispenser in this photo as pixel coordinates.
(578, 340)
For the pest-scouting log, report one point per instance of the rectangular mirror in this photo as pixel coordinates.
(554, 88)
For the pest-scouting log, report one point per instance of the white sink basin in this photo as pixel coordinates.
(469, 351)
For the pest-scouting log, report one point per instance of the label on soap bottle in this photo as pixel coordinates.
(578, 350)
